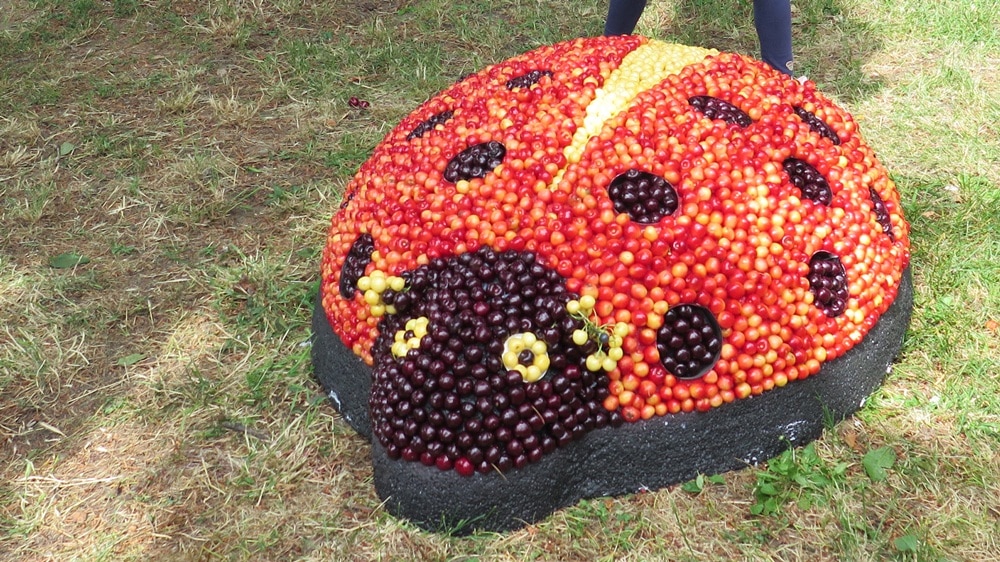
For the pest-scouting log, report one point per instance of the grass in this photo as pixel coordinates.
(156, 401)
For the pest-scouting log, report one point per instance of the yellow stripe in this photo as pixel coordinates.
(640, 70)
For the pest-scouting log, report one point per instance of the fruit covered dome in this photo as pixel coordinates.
(599, 233)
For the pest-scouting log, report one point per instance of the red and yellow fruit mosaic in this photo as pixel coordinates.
(725, 225)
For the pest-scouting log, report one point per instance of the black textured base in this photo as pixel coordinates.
(649, 454)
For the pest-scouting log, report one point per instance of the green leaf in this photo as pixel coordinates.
(767, 489)
(771, 506)
(812, 480)
(694, 486)
(906, 543)
(67, 260)
(131, 359)
(877, 461)
(65, 148)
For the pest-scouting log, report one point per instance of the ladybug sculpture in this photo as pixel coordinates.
(607, 264)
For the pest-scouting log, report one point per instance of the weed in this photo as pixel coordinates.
(798, 475)
(698, 484)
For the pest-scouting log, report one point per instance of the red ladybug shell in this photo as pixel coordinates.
(725, 194)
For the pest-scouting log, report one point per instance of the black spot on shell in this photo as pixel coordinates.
(358, 258)
(430, 123)
(526, 80)
(881, 213)
(690, 341)
(715, 108)
(475, 161)
(644, 197)
(828, 283)
(817, 124)
(810, 182)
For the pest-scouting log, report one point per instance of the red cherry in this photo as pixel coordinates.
(443, 462)
(464, 467)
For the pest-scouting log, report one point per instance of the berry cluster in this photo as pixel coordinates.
(608, 340)
(828, 282)
(881, 213)
(355, 262)
(726, 226)
(808, 179)
(358, 103)
(429, 124)
(475, 161)
(817, 124)
(714, 108)
(526, 80)
(645, 198)
(689, 341)
(464, 387)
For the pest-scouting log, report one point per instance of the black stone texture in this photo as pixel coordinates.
(645, 455)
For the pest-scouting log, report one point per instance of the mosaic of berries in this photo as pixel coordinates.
(603, 231)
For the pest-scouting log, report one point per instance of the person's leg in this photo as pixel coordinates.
(622, 16)
(773, 20)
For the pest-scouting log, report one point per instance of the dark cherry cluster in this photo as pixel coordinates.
(881, 213)
(475, 161)
(644, 197)
(429, 124)
(450, 402)
(715, 108)
(689, 341)
(828, 283)
(526, 80)
(817, 124)
(355, 263)
(810, 182)
(358, 103)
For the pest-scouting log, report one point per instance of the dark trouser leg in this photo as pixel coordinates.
(622, 16)
(773, 19)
